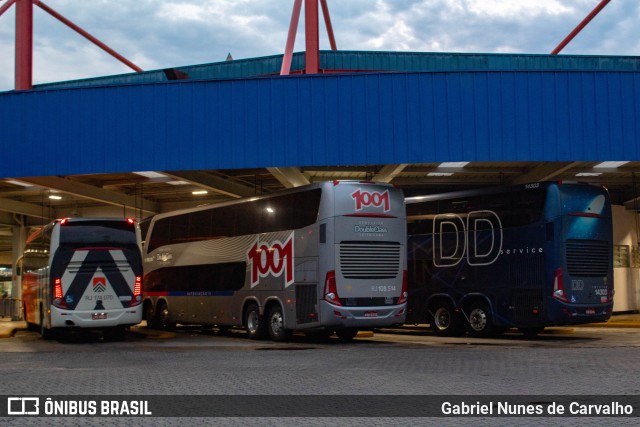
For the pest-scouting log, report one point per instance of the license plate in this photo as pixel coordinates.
(590, 311)
(371, 314)
(97, 316)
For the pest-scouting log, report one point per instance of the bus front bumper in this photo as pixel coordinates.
(361, 317)
(95, 319)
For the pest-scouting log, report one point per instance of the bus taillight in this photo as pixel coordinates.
(405, 288)
(57, 294)
(558, 286)
(137, 292)
(57, 289)
(331, 290)
(137, 289)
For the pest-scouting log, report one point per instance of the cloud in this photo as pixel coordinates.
(516, 9)
(164, 33)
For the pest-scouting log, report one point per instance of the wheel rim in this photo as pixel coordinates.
(442, 318)
(252, 322)
(478, 319)
(276, 322)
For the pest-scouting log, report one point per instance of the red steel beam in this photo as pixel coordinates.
(6, 6)
(86, 35)
(312, 56)
(580, 26)
(24, 45)
(285, 69)
(327, 21)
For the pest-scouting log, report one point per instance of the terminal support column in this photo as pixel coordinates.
(19, 240)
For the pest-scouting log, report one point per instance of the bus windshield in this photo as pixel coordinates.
(75, 235)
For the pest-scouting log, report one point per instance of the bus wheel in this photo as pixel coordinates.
(346, 334)
(150, 316)
(480, 323)
(275, 324)
(163, 318)
(531, 332)
(254, 323)
(443, 321)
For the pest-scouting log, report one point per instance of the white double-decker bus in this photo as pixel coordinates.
(83, 273)
(327, 257)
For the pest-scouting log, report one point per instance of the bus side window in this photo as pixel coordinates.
(420, 226)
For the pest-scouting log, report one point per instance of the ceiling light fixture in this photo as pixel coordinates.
(453, 164)
(151, 174)
(199, 192)
(611, 164)
(19, 183)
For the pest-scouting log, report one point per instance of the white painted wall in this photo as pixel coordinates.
(626, 281)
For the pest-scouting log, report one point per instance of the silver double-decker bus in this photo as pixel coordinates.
(323, 258)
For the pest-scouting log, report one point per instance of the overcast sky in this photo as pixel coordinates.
(156, 34)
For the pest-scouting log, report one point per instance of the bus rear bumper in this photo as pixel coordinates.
(362, 317)
(95, 319)
(582, 314)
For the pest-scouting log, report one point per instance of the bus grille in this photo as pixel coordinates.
(588, 258)
(370, 260)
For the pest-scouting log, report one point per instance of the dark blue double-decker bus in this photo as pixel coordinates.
(526, 256)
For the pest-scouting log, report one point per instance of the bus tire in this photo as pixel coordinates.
(480, 322)
(443, 320)
(346, 334)
(163, 317)
(275, 325)
(254, 323)
(150, 315)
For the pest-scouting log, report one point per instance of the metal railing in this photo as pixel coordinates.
(11, 308)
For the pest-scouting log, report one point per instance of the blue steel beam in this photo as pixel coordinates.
(323, 120)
